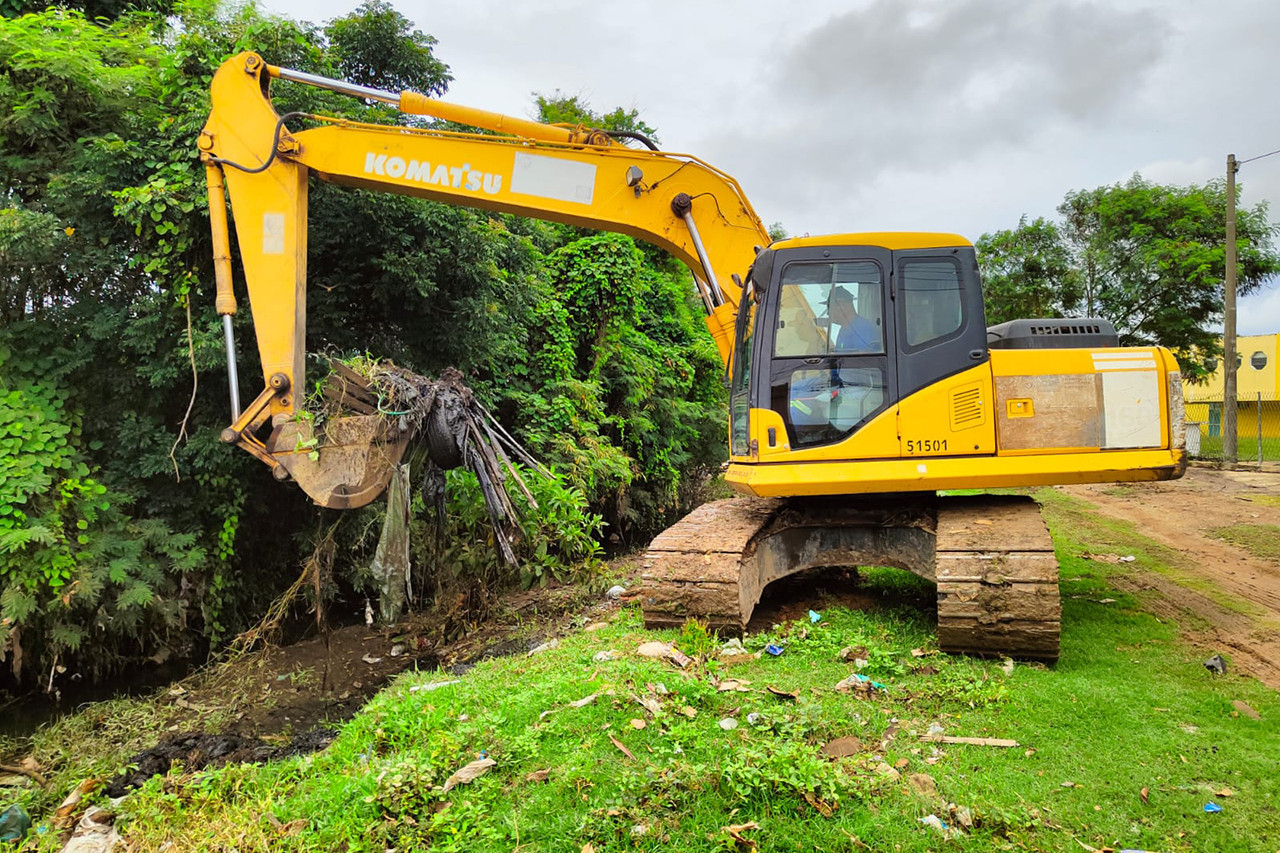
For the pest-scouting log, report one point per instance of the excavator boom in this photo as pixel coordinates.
(573, 175)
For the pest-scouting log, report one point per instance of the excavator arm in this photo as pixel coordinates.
(579, 176)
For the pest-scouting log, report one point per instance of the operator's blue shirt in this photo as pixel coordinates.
(860, 335)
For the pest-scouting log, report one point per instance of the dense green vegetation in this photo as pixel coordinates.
(127, 531)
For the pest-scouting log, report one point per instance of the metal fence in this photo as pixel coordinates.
(1257, 426)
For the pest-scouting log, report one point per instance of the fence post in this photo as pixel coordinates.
(1259, 430)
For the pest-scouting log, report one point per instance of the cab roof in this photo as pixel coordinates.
(884, 239)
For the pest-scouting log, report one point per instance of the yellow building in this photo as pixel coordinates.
(1257, 391)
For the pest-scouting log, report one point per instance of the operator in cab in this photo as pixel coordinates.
(857, 333)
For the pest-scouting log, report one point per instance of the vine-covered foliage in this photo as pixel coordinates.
(127, 530)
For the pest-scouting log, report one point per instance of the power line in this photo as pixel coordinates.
(1259, 157)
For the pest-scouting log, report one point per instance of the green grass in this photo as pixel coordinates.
(1260, 540)
(1128, 707)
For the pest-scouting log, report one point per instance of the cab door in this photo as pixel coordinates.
(944, 404)
(831, 363)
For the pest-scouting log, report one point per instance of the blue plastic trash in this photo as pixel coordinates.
(773, 649)
(814, 616)
(14, 823)
(1212, 808)
(877, 685)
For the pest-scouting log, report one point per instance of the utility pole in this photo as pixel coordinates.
(1229, 326)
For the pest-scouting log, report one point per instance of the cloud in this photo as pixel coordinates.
(897, 89)
(925, 81)
(979, 60)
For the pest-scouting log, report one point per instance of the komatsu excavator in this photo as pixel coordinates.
(862, 378)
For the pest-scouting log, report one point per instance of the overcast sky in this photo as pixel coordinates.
(923, 115)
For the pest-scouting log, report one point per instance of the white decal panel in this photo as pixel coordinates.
(550, 177)
(1131, 407)
(273, 233)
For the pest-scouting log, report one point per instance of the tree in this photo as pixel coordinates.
(92, 9)
(377, 46)
(1148, 257)
(560, 108)
(1027, 272)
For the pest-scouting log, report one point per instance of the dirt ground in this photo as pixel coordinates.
(281, 693)
(1180, 515)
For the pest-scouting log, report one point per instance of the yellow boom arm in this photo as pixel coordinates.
(573, 175)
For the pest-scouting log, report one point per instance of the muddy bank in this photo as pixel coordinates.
(197, 750)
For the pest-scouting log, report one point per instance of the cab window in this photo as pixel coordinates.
(740, 381)
(826, 307)
(933, 307)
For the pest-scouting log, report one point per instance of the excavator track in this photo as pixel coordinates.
(990, 555)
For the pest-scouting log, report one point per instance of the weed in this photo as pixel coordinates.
(696, 639)
(959, 684)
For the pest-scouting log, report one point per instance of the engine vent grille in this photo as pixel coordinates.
(966, 407)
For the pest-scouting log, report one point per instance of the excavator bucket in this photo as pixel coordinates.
(344, 464)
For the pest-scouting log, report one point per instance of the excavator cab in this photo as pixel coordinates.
(840, 330)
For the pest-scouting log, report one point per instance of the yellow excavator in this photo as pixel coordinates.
(863, 380)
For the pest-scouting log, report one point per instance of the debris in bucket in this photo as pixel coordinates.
(1216, 665)
(456, 428)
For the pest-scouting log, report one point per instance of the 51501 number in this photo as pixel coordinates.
(926, 445)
